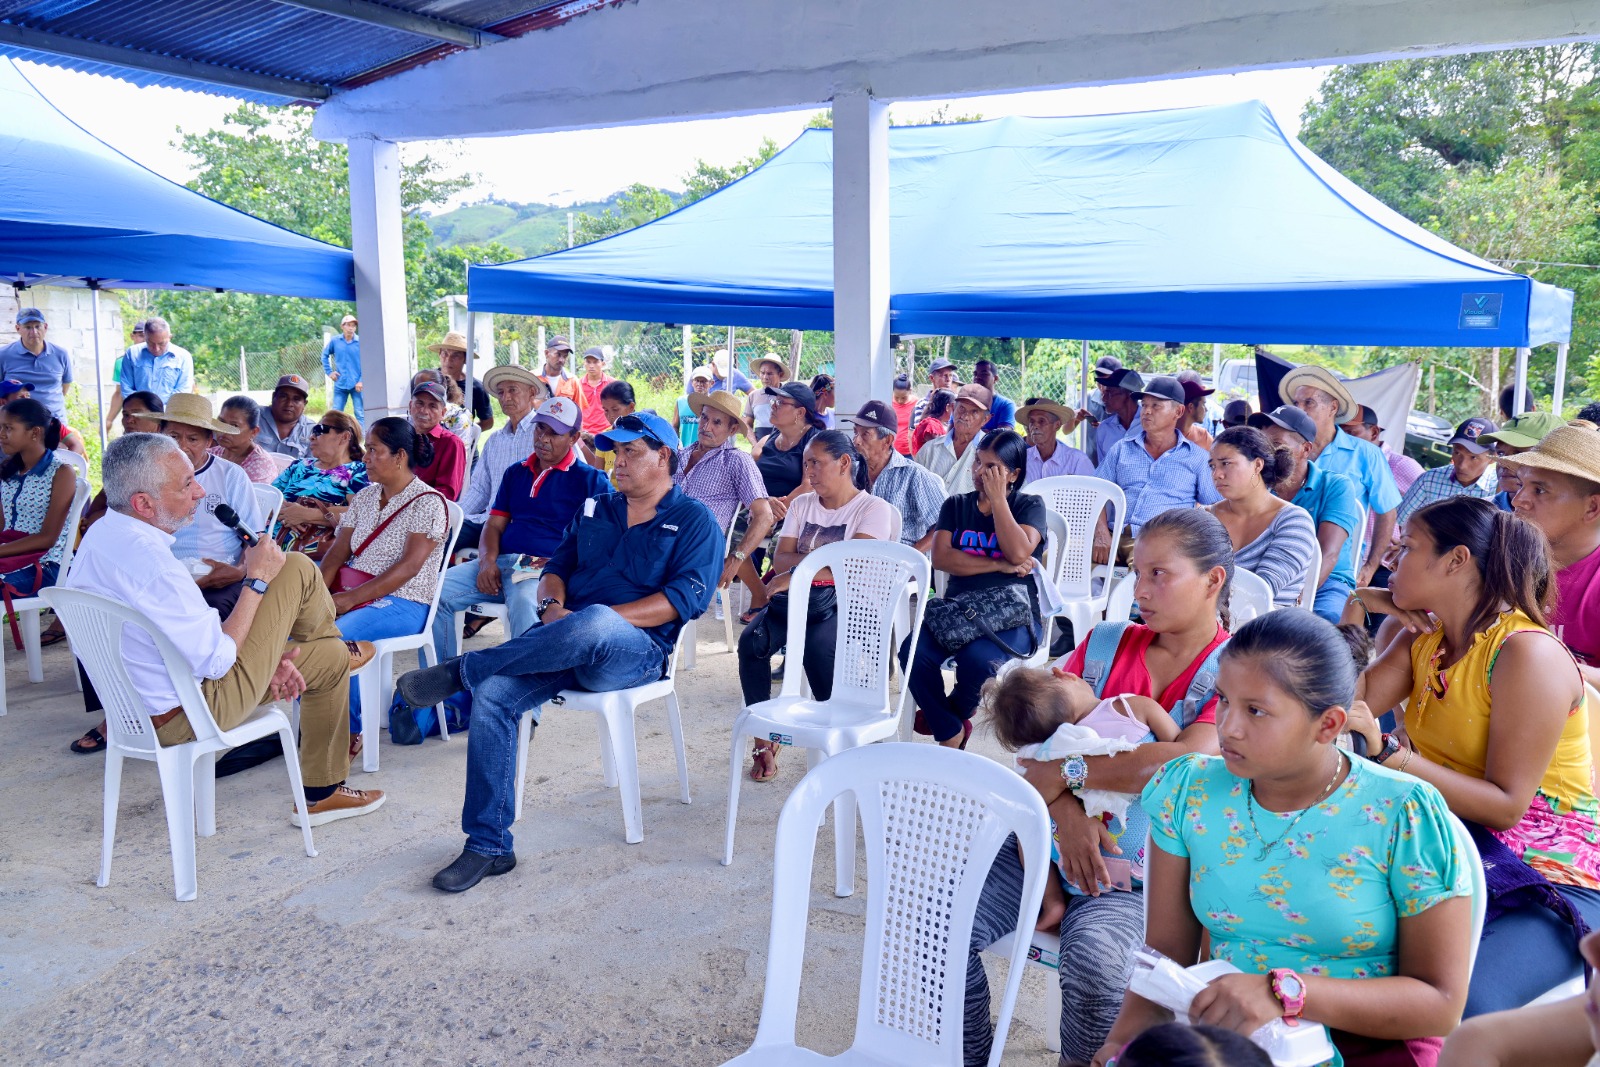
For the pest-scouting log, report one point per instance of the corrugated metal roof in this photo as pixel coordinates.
(255, 39)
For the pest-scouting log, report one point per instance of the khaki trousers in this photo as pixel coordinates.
(298, 608)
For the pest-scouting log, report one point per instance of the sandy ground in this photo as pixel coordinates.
(592, 951)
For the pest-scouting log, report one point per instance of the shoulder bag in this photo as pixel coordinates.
(350, 578)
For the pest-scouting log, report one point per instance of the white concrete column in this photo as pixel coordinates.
(380, 275)
(863, 364)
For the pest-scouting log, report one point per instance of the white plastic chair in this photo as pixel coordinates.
(282, 460)
(724, 593)
(933, 819)
(1249, 597)
(375, 681)
(28, 608)
(269, 501)
(1308, 591)
(1080, 499)
(188, 771)
(79, 465)
(619, 747)
(870, 579)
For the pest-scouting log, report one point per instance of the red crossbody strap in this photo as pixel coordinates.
(385, 523)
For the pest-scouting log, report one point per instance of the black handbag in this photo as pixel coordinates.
(769, 632)
(957, 621)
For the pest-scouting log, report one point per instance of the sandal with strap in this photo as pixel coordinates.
(96, 743)
(764, 764)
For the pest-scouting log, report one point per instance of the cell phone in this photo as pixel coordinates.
(1120, 871)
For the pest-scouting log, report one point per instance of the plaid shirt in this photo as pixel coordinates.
(1440, 484)
(916, 491)
(1179, 478)
(501, 450)
(724, 479)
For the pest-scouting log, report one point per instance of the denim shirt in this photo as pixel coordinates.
(678, 553)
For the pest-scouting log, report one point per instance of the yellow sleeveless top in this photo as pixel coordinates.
(1448, 723)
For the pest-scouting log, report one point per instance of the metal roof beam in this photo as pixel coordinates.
(133, 59)
(373, 14)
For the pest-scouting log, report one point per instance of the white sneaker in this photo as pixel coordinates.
(342, 803)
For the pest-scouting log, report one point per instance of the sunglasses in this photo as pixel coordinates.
(321, 428)
(634, 424)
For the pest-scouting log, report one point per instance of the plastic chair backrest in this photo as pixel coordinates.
(1308, 591)
(282, 460)
(97, 626)
(870, 579)
(457, 517)
(79, 465)
(1480, 890)
(269, 501)
(1250, 596)
(1079, 499)
(897, 522)
(80, 500)
(933, 819)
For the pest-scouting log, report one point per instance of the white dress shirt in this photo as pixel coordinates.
(939, 456)
(500, 450)
(131, 562)
(225, 482)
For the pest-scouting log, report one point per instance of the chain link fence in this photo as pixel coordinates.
(256, 373)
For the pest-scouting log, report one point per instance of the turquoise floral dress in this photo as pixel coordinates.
(1327, 899)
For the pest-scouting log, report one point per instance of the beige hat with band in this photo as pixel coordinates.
(723, 401)
(455, 339)
(512, 373)
(783, 368)
(1049, 407)
(1324, 379)
(191, 409)
(1573, 449)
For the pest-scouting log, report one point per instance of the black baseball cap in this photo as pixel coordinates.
(1289, 418)
(1162, 387)
(1124, 378)
(1236, 413)
(1468, 433)
(1106, 366)
(799, 392)
(875, 414)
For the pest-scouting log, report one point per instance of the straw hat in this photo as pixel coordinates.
(1049, 407)
(1573, 450)
(1324, 379)
(724, 402)
(511, 373)
(191, 409)
(454, 339)
(783, 369)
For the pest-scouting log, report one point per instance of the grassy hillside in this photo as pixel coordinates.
(528, 228)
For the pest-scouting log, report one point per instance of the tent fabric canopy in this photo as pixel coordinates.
(1202, 224)
(75, 210)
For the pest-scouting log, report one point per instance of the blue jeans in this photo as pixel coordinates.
(1527, 952)
(340, 395)
(593, 649)
(1330, 601)
(388, 616)
(22, 579)
(460, 592)
(976, 663)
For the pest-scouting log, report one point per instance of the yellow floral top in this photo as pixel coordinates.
(1329, 897)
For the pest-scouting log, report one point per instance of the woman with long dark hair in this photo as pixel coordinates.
(989, 542)
(36, 491)
(1495, 718)
(1272, 538)
(383, 566)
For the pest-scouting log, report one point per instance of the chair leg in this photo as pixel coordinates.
(675, 721)
(608, 754)
(29, 623)
(619, 726)
(844, 844)
(524, 735)
(1052, 1030)
(297, 786)
(3, 685)
(205, 794)
(177, 790)
(370, 687)
(113, 792)
(726, 593)
(735, 768)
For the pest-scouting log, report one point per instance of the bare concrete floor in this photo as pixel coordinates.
(592, 951)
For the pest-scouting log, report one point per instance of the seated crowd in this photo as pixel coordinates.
(1290, 796)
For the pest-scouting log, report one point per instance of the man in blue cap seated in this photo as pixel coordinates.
(634, 567)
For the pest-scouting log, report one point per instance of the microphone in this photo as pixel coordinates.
(230, 518)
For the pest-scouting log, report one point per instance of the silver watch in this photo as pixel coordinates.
(1075, 772)
(740, 554)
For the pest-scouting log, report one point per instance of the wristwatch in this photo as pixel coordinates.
(545, 605)
(1075, 772)
(740, 554)
(256, 585)
(1290, 989)
(1391, 745)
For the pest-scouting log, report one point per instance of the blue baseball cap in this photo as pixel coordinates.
(11, 387)
(27, 315)
(641, 424)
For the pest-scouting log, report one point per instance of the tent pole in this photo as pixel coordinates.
(472, 356)
(1561, 378)
(688, 359)
(1083, 395)
(1519, 397)
(99, 388)
(1216, 363)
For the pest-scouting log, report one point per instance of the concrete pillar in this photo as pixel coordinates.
(380, 275)
(863, 364)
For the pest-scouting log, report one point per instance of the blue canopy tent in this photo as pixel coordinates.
(1203, 224)
(75, 212)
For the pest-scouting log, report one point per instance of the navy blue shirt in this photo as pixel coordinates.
(540, 513)
(678, 553)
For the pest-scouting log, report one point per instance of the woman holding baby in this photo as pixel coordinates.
(1183, 562)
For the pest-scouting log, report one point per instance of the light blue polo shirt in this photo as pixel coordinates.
(1179, 478)
(1333, 498)
(1364, 464)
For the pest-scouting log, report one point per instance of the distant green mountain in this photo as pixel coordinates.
(529, 229)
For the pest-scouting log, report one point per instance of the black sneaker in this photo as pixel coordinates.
(470, 868)
(431, 685)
